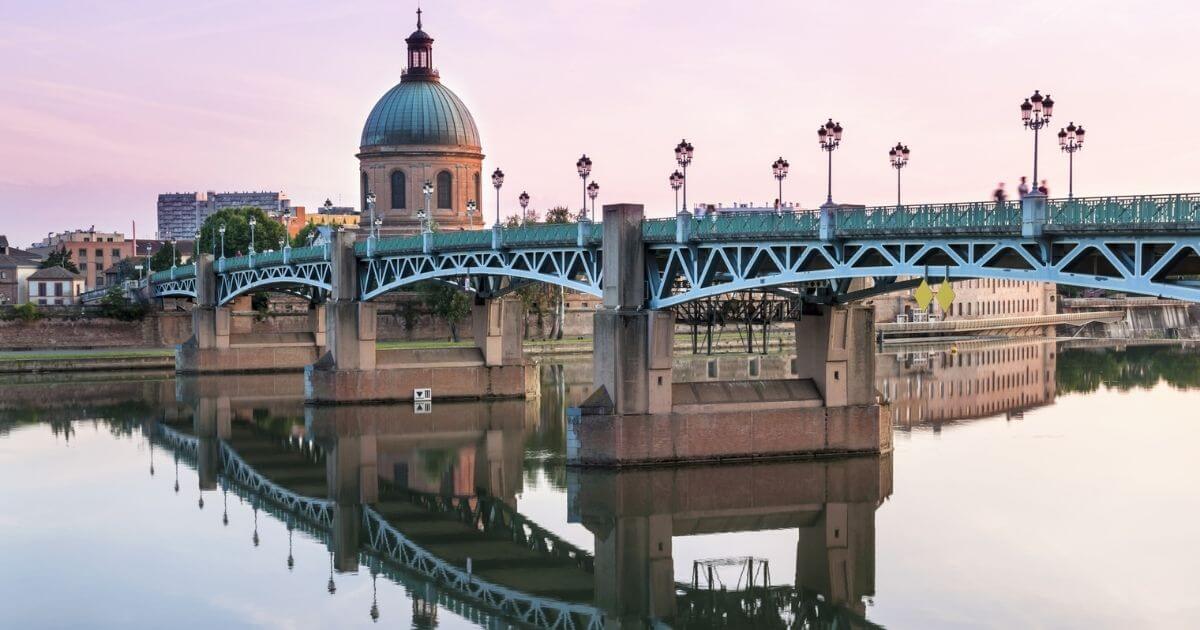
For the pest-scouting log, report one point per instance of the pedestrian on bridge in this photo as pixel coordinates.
(1023, 188)
(999, 195)
(1044, 188)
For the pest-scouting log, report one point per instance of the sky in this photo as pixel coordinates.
(106, 104)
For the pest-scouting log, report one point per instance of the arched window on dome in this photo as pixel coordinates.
(364, 186)
(478, 190)
(445, 184)
(399, 190)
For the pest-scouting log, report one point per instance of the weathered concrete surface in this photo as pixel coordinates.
(640, 439)
(448, 382)
(192, 360)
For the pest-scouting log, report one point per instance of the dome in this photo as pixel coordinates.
(420, 112)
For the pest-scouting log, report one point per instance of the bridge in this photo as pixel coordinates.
(832, 258)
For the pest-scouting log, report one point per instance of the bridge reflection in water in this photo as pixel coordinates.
(433, 502)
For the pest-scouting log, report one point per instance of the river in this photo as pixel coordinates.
(1032, 484)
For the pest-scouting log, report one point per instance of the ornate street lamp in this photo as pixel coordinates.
(222, 231)
(524, 201)
(779, 168)
(427, 190)
(1035, 114)
(583, 166)
(253, 222)
(1071, 140)
(371, 207)
(898, 155)
(676, 180)
(471, 208)
(683, 157)
(375, 227)
(593, 190)
(174, 253)
(498, 181)
(829, 136)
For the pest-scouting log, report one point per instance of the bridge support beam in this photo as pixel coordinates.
(214, 348)
(637, 415)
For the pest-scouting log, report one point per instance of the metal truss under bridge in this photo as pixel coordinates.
(1147, 245)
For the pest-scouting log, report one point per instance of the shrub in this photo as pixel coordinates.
(27, 312)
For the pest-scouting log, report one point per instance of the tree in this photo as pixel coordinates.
(446, 302)
(267, 232)
(60, 257)
(162, 258)
(116, 305)
(301, 238)
(126, 268)
(559, 214)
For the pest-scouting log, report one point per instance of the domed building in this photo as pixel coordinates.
(421, 132)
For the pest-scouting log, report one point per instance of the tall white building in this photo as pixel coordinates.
(181, 214)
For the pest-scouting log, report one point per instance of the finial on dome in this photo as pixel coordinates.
(418, 16)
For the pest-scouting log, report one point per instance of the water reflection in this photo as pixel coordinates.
(443, 504)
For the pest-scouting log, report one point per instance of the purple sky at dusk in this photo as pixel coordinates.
(103, 105)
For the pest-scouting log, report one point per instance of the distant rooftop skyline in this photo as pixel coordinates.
(106, 106)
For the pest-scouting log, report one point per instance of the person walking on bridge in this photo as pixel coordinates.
(1023, 188)
(999, 195)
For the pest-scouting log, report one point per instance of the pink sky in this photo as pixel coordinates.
(106, 104)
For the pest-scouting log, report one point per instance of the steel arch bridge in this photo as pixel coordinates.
(1148, 245)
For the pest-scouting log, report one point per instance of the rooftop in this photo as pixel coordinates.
(54, 273)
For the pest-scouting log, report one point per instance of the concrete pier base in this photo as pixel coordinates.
(448, 381)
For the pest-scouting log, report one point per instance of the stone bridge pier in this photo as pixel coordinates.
(353, 370)
(638, 415)
(214, 348)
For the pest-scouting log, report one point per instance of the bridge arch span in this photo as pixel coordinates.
(316, 277)
(577, 269)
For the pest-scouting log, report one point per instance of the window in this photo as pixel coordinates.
(3, 275)
(116, 254)
(445, 182)
(478, 190)
(58, 289)
(99, 254)
(399, 190)
(58, 302)
(363, 185)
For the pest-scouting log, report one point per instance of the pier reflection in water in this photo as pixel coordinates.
(470, 510)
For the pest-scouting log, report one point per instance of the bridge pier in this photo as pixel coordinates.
(637, 415)
(213, 348)
(353, 370)
(212, 422)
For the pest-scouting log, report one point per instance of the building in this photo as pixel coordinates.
(181, 214)
(94, 253)
(16, 265)
(54, 286)
(419, 133)
(974, 299)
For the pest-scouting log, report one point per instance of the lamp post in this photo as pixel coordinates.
(829, 136)
(222, 231)
(427, 190)
(593, 190)
(1035, 114)
(676, 180)
(683, 157)
(196, 246)
(524, 201)
(253, 222)
(1071, 140)
(898, 155)
(174, 252)
(498, 181)
(371, 207)
(779, 168)
(584, 167)
(471, 208)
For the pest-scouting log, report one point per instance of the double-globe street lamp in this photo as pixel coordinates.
(498, 181)
(829, 136)
(523, 199)
(683, 157)
(779, 168)
(222, 231)
(423, 215)
(1071, 140)
(253, 222)
(583, 166)
(898, 156)
(676, 180)
(371, 211)
(1035, 114)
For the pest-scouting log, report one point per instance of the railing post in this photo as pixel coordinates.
(584, 231)
(683, 227)
(1033, 215)
(287, 254)
(828, 227)
(497, 236)
(427, 242)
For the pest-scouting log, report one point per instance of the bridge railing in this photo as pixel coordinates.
(180, 272)
(987, 215)
(1141, 210)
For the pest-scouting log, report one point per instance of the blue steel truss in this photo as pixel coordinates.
(1142, 245)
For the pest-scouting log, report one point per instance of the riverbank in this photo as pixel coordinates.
(136, 359)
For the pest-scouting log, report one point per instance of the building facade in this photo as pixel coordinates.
(54, 286)
(975, 299)
(181, 214)
(421, 133)
(16, 265)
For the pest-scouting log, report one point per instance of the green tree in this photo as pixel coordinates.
(560, 214)
(447, 303)
(162, 258)
(267, 232)
(301, 238)
(116, 305)
(60, 257)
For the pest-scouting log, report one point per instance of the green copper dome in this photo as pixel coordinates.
(420, 111)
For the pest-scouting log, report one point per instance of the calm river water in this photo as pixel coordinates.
(1032, 485)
